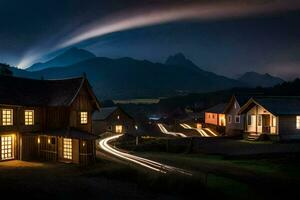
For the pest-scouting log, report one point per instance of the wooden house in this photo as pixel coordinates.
(47, 119)
(214, 117)
(235, 121)
(113, 119)
(277, 118)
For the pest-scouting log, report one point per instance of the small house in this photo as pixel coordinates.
(47, 120)
(235, 121)
(112, 119)
(277, 118)
(215, 117)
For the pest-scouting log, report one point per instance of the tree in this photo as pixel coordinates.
(4, 70)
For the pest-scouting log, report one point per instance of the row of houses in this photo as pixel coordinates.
(275, 117)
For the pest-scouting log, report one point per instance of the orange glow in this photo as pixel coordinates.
(222, 121)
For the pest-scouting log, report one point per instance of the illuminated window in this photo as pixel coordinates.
(7, 147)
(259, 123)
(249, 120)
(83, 117)
(297, 122)
(7, 117)
(118, 116)
(29, 117)
(237, 119)
(229, 119)
(273, 121)
(67, 148)
(119, 128)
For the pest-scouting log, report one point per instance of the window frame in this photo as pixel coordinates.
(27, 118)
(83, 119)
(249, 119)
(67, 149)
(298, 122)
(229, 118)
(237, 117)
(5, 121)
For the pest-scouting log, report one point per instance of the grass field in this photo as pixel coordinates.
(257, 178)
(213, 177)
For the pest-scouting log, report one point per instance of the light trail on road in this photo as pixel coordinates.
(199, 130)
(165, 131)
(146, 163)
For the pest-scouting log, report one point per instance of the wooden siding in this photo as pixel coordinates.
(26, 137)
(233, 128)
(83, 103)
(287, 128)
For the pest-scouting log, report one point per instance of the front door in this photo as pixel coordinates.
(7, 147)
(266, 123)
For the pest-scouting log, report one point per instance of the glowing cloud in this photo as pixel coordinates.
(131, 19)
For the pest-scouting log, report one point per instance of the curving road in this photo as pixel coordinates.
(143, 162)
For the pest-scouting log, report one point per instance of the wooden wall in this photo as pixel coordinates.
(82, 103)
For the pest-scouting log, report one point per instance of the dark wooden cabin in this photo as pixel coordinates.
(47, 120)
(113, 119)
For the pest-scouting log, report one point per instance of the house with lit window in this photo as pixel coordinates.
(234, 121)
(277, 118)
(47, 120)
(113, 119)
(215, 117)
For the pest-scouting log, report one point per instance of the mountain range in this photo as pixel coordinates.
(126, 78)
(69, 57)
(254, 79)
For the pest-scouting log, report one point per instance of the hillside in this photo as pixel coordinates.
(69, 57)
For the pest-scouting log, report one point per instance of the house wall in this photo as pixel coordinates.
(254, 127)
(287, 128)
(211, 118)
(233, 128)
(81, 104)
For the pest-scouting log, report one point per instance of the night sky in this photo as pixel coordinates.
(226, 37)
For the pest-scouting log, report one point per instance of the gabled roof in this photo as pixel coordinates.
(104, 113)
(30, 92)
(241, 99)
(219, 108)
(278, 105)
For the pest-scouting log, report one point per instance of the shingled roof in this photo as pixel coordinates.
(104, 113)
(278, 105)
(219, 108)
(31, 92)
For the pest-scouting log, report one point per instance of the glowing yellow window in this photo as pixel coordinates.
(7, 117)
(29, 117)
(67, 148)
(7, 148)
(119, 128)
(83, 117)
(297, 122)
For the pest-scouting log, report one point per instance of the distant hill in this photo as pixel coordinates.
(254, 79)
(69, 57)
(127, 78)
